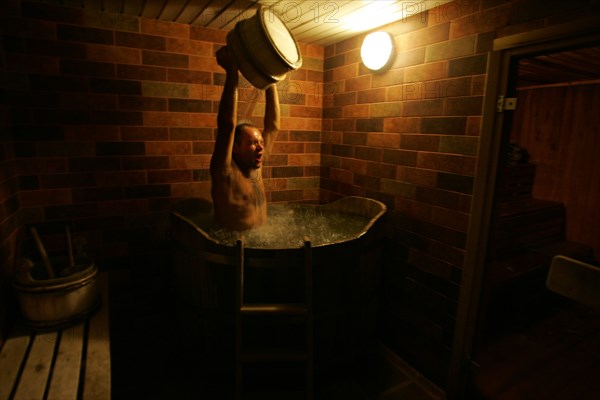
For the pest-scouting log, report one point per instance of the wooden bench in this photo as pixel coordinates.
(71, 363)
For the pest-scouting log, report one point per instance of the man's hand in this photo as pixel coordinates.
(226, 60)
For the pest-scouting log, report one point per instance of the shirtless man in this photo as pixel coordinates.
(238, 190)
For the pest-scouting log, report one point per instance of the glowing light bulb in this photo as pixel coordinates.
(376, 50)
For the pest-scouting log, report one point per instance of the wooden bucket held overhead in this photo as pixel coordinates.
(264, 48)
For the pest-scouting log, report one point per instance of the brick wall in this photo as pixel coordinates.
(114, 117)
(409, 137)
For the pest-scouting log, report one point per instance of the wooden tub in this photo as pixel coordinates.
(346, 281)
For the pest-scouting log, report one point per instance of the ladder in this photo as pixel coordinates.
(277, 313)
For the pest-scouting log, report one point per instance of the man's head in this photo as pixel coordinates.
(248, 147)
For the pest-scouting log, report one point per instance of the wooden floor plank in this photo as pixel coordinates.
(65, 376)
(97, 369)
(11, 359)
(37, 367)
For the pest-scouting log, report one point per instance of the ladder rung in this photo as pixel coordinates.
(274, 308)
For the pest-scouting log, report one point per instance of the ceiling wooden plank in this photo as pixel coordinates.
(112, 6)
(211, 12)
(93, 5)
(172, 10)
(153, 8)
(248, 13)
(133, 7)
(311, 21)
(310, 31)
(364, 19)
(192, 10)
(327, 22)
(69, 3)
(568, 67)
(584, 61)
(251, 11)
(237, 11)
(310, 14)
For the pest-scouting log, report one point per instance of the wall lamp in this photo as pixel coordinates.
(377, 51)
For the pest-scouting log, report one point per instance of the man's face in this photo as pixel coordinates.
(248, 153)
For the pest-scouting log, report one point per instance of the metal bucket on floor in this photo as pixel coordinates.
(59, 301)
(264, 48)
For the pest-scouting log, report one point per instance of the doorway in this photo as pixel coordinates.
(543, 199)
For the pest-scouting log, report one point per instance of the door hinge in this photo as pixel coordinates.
(506, 103)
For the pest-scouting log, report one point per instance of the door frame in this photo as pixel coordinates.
(502, 66)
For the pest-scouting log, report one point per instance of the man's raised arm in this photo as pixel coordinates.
(227, 117)
(272, 117)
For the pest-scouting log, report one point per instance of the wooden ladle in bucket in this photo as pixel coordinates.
(43, 254)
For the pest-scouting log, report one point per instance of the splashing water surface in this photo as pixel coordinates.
(287, 226)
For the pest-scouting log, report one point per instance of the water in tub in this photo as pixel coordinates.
(287, 226)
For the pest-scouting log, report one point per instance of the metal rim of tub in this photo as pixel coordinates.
(352, 205)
